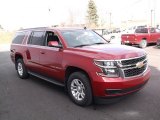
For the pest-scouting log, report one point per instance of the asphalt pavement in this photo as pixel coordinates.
(35, 99)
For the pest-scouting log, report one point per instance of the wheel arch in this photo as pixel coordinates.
(71, 69)
(143, 43)
(144, 38)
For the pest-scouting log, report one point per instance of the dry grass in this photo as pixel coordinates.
(6, 37)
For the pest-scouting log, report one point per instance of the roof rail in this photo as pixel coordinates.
(35, 28)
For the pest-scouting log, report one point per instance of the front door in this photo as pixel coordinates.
(51, 58)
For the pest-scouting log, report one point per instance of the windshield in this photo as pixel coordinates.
(79, 38)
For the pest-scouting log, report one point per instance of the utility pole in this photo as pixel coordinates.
(154, 5)
(49, 17)
(152, 17)
(110, 20)
(153, 12)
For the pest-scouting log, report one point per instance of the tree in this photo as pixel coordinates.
(92, 16)
(1, 27)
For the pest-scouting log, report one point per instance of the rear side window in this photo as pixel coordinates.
(18, 38)
(37, 38)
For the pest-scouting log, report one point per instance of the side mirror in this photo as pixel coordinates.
(54, 44)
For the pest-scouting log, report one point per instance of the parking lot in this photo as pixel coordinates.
(35, 99)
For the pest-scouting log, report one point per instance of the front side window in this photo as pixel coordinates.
(37, 38)
(52, 37)
(77, 38)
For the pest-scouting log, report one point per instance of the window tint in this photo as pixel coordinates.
(18, 38)
(37, 38)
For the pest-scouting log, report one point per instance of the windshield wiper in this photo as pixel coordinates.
(83, 45)
(99, 43)
(90, 44)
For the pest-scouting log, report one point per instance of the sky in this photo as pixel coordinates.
(15, 14)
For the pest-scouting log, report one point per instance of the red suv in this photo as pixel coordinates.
(81, 61)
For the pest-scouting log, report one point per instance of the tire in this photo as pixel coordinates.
(122, 43)
(79, 89)
(143, 44)
(158, 43)
(21, 69)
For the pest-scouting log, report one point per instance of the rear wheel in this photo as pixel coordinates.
(79, 89)
(143, 44)
(158, 43)
(21, 69)
(122, 43)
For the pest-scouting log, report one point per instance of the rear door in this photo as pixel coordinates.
(36, 41)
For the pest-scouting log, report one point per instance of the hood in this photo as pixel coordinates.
(110, 51)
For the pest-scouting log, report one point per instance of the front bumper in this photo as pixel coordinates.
(125, 90)
(113, 87)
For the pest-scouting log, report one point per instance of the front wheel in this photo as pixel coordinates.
(143, 44)
(21, 69)
(79, 89)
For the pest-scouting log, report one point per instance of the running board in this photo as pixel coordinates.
(46, 79)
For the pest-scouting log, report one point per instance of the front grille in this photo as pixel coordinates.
(134, 71)
(133, 61)
(130, 67)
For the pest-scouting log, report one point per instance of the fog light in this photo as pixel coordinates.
(111, 72)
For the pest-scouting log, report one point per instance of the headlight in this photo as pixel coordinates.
(109, 63)
(109, 68)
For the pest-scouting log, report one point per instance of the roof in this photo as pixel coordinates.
(52, 28)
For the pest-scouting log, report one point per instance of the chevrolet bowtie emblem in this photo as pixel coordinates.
(139, 64)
